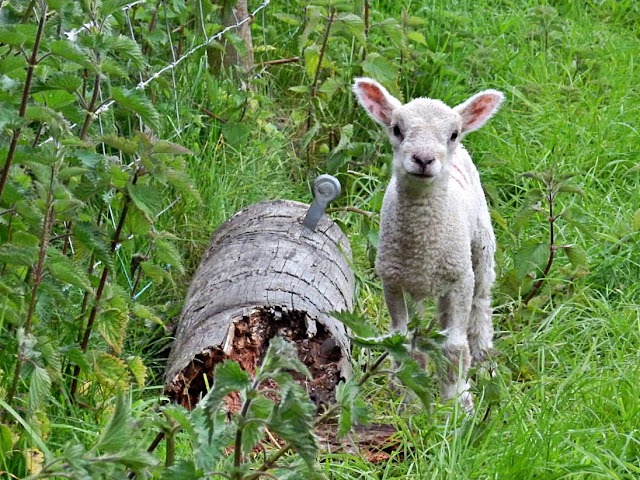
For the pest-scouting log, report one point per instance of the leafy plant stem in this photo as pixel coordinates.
(25, 98)
(552, 248)
(47, 225)
(323, 48)
(237, 460)
(100, 290)
(271, 462)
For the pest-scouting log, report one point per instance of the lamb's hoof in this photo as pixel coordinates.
(466, 401)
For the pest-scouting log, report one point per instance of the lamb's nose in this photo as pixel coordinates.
(423, 161)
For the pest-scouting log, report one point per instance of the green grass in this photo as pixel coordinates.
(568, 371)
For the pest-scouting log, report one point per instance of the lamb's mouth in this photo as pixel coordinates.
(423, 176)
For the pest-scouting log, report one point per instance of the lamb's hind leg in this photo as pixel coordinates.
(480, 330)
(453, 311)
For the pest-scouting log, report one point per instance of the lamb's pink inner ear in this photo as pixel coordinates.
(478, 110)
(374, 100)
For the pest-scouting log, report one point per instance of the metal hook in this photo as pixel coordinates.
(326, 189)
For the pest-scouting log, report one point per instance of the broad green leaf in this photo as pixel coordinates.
(299, 88)
(112, 326)
(359, 325)
(311, 60)
(212, 435)
(351, 24)
(18, 35)
(163, 146)
(380, 68)
(167, 253)
(155, 272)
(70, 51)
(29, 212)
(253, 432)
(77, 357)
(145, 198)
(281, 355)
(183, 470)
(228, 377)
(137, 102)
(539, 176)
(532, 255)
(292, 420)
(65, 207)
(636, 221)
(125, 48)
(314, 16)
(181, 182)
(125, 145)
(353, 410)
(577, 256)
(570, 188)
(110, 371)
(330, 87)
(69, 172)
(69, 272)
(6, 440)
(417, 37)
(15, 255)
(89, 238)
(415, 378)
(578, 219)
(25, 239)
(115, 435)
(394, 343)
(11, 63)
(392, 29)
(39, 386)
(144, 312)
(60, 81)
(523, 216)
(138, 370)
(346, 133)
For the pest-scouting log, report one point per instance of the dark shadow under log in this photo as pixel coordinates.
(265, 274)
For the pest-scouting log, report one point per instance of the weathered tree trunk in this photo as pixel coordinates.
(234, 11)
(265, 274)
(233, 14)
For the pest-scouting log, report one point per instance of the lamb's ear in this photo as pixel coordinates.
(375, 99)
(478, 109)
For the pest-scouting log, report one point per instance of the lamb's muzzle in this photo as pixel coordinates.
(436, 239)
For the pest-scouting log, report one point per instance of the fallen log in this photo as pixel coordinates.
(264, 274)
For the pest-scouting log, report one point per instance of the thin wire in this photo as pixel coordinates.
(171, 66)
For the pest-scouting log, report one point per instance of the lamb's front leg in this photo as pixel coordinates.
(394, 299)
(453, 311)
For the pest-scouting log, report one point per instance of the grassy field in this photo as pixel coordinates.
(564, 402)
(569, 367)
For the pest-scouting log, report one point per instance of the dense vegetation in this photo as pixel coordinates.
(109, 193)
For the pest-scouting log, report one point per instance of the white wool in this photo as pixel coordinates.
(436, 239)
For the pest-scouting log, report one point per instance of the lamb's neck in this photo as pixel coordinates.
(420, 200)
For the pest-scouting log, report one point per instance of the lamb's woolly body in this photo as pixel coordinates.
(430, 235)
(436, 239)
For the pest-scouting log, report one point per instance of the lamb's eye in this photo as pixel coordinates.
(397, 132)
(454, 135)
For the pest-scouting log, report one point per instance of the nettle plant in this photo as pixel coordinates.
(227, 442)
(83, 180)
(549, 202)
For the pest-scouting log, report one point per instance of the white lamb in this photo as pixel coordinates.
(436, 239)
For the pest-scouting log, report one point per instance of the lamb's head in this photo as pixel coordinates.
(424, 133)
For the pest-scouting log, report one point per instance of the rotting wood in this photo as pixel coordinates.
(264, 274)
